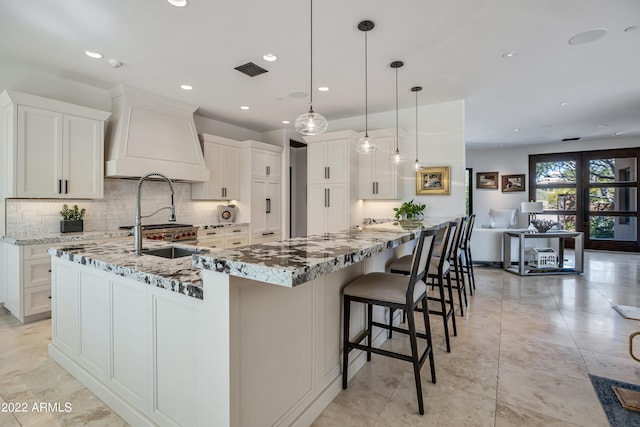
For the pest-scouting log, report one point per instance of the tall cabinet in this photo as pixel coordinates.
(377, 173)
(51, 149)
(222, 158)
(332, 178)
(262, 180)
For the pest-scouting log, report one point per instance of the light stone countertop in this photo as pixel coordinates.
(286, 263)
(41, 238)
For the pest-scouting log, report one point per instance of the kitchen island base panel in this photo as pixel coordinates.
(249, 353)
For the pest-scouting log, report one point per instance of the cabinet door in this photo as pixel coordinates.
(37, 300)
(211, 242)
(258, 205)
(213, 155)
(316, 163)
(385, 169)
(337, 209)
(39, 168)
(316, 209)
(230, 172)
(366, 178)
(337, 160)
(83, 158)
(272, 162)
(273, 205)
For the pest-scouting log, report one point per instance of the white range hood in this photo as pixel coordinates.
(150, 133)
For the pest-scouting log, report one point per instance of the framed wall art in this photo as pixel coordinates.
(513, 183)
(487, 180)
(433, 181)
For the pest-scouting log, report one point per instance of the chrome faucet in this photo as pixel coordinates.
(137, 228)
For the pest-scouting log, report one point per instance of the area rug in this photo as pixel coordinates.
(617, 415)
(628, 311)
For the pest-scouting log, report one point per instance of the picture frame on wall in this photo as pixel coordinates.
(433, 181)
(487, 180)
(513, 183)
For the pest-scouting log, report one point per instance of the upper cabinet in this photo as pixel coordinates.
(51, 149)
(222, 158)
(328, 161)
(265, 164)
(377, 173)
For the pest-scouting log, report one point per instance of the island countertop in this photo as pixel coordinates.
(286, 263)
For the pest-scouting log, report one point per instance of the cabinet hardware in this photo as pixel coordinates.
(212, 233)
(236, 231)
(49, 270)
(59, 186)
(328, 197)
(268, 170)
(268, 205)
(374, 188)
(66, 186)
(268, 234)
(325, 172)
(329, 172)
(236, 243)
(49, 296)
(325, 197)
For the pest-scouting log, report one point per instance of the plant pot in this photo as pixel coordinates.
(71, 226)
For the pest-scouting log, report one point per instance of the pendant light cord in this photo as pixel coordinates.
(416, 126)
(311, 61)
(366, 88)
(397, 150)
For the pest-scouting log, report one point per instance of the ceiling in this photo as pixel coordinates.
(453, 49)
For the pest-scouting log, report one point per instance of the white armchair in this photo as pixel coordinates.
(502, 218)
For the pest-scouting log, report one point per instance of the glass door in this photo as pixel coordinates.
(610, 191)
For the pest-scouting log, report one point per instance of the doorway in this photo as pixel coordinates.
(297, 189)
(595, 192)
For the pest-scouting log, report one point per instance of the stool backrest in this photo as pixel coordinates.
(458, 238)
(441, 244)
(467, 237)
(454, 236)
(420, 263)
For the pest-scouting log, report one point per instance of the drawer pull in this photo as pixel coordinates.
(236, 231)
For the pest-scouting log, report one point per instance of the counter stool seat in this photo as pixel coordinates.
(384, 287)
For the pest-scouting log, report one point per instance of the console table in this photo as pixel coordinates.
(525, 269)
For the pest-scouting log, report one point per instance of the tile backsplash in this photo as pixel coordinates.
(116, 209)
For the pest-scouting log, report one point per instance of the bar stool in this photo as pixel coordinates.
(394, 291)
(438, 272)
(455, 259)
(467, 265)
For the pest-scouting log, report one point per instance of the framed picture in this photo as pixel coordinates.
(433, 181)
(487, 180)
(513, 183)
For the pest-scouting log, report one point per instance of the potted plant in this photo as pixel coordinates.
(71, 219)
(409, 210)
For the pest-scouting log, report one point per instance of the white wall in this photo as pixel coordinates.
(440, 143)
(515, 160)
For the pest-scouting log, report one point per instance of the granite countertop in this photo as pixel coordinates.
(42, 238)
(224, 225)
(286, 263)
(295, 261)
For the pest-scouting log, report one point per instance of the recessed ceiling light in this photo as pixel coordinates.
(285, 122)
(323, 88)
(602, 126)
(516, 130)
(93, 54)
(631, 28)
(509, 54)
(588, 36)
(269, 57)
(245, 107)
(562, 104)
(186, 87)
(178, 3)
(618, 133)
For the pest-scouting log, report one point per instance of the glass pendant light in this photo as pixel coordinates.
(395, 156)
(417, 166)
(311, 123)
(365, 145)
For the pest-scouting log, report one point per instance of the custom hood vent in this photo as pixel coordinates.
(251, 69)
(147, 132)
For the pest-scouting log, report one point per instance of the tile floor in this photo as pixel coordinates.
(521, 358)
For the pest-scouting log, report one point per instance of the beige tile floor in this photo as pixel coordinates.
(521, 358)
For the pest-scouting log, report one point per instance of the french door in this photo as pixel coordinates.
(595, 192)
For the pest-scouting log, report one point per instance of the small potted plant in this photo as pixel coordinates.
(409, 210)
(72, 219)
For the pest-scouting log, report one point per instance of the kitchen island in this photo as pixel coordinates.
(241, 337)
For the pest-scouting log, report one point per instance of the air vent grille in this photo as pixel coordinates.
(251, 69)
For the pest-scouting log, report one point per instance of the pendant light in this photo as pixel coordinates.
(365, 146)
(396, 157)
(311, 123)
(417, 89)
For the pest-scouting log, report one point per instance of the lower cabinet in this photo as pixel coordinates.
(224, 237)
(327, 208)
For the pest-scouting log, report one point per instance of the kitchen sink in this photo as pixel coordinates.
(171, 252)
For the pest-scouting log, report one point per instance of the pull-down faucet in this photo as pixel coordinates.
(137, 228)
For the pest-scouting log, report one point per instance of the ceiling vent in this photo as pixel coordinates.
(570, 139)
(251, 69)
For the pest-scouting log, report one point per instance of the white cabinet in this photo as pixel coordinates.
(265, 208)
(378, 174)
(55, 149)
(265, 164)
(332, 177)
(224, 237)
(222, 158)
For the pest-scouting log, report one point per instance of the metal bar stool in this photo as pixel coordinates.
(438, 272)
(455, 259)
(394, 291)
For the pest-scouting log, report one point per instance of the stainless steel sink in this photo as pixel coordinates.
(170, 252)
